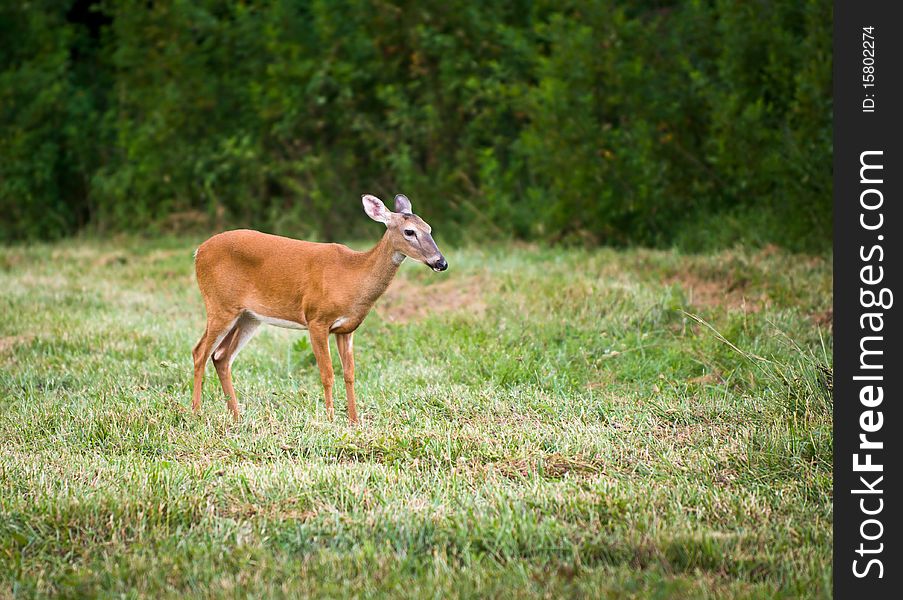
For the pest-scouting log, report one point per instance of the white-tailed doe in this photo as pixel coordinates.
(248, 278)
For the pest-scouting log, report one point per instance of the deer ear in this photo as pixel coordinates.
(375, 208)
(402, 204)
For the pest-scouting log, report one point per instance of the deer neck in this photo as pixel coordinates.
(380, 265)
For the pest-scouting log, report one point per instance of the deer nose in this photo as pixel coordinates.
(440, 265)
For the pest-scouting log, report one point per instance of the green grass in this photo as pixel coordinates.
(536, 422)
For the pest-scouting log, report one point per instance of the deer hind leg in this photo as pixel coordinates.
(319, 341)
(225, 353)
(217, 329)
(345, 342)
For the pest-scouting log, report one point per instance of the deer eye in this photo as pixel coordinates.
(409, 232)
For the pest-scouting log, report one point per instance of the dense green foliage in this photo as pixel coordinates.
(695, 123)
(536, 423)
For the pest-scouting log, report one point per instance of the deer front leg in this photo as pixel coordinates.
(345, 342)
(319, 341)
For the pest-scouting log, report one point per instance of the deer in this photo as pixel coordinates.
(247, 278)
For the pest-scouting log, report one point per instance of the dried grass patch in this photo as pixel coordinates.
(406, 301)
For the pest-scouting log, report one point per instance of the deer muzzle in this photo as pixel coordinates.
(440, 264)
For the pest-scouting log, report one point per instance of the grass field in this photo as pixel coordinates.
(536, 422)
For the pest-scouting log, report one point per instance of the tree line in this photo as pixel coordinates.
(697, 123)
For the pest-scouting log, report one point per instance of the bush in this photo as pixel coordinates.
(690, 123)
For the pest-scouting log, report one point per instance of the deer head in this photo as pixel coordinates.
(409, 234)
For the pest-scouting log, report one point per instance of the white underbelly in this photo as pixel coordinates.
(338, 323)
(277, 322)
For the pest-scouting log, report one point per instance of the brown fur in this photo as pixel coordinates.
(243, 272)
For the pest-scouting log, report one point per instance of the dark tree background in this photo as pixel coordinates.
(697, 123)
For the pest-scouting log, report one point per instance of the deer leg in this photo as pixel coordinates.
(345, 342)
(225, 354)
(198, 372)
(319, 341)
(217, 329)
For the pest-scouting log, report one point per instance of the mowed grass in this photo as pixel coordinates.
(536, 422)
